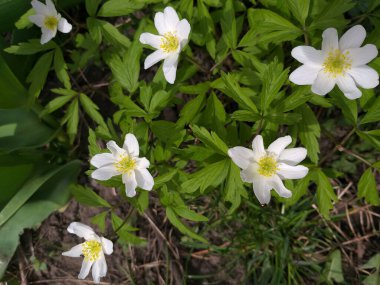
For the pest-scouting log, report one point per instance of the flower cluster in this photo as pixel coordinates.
(342, 62)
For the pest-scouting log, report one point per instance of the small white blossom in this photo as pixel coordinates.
(173, 36)
(342, 62)
(126, 162)
(93, 250)
(265, 168)
(48, 19)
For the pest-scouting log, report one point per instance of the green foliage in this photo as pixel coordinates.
(373, 263)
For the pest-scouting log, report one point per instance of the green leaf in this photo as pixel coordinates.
(124, 231)
(191, 110)
(24, 21)
(266, 27)
(91, 109)
(233, 90)
(115, 8)
(299, 97)
(211, 175)
(112, 35)
(245, 116)
(52, 195)
(373, 114)
(188, 214)
(100, 221)
(367, 188)
(234, 188)
(92, 6)
(348, 107)
(186, 8)
(228, 24)
(88, 197)
(15, 130)
(37, 76)
(309, 132)
(60, 68)
(325, 194)
(72, 119)
(172, 217)
(30, 47)
(333, 270)
(212, 140)
(56, 103)
(159, 101)
(95, 29)
(299, 9)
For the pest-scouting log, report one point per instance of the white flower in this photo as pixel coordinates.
(266, 168)
(340, 62)
(173, 36)
(93, 250)
(48, 19)
(124, 161)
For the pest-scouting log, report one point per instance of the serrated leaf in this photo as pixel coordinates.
(123, 231)
(112, 35)
(95, 29)
(92, 6)
(115, 8)
(172, 217)
(191, 110)
(211, 175)
(30, 47)
(100, 221)
(60, 68)
(234, 188)
(88, 197)
(367, 188)
(24, 21)
(56, 103)
(228, 24)
(325, 194)
(91, 109)
(37, 76)
(334, 270)
(212, 140)
(299, 9)
(348, 107)
(72, 119)
(188, 214)
(373, 114)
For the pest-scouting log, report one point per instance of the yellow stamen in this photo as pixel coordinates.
(125, 164)
(337, 62)
(51, 22)
(267, 166)
(91, 250)
(169, 42)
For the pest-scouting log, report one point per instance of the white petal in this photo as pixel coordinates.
(82, 230)
(103, 266)
(50, 6)
(261, 190)
(329, 40)
(154, 57)
(40, 8)
(347, 85)
(304, 75)
(96, 272)
(115, 149)
(144, 179)
(279, 145)
(47, 35)
(258, 148)
(150, 39)
(107, 245)
(248, 174)
(276, 183)
(365, 76)
(159, 22)
(130, 182)
(102, 159)
(75, 251)
(363, 55)
(131, 145)
(241, 156)
(291, 172)
(104, 173)
(292, 156)
(37, 20)
(183, 30)
(142, 163)
(353, 38)
(170, 67)
(323, 84)
(86, 266)
(64, 26)
(171, 18)
(308, 55)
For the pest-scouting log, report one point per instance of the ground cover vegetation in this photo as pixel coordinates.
(189, 142)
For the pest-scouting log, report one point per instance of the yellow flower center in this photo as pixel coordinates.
(337, 62)
(169, 42)
(91, 250)
(267, 166)
(51, 22)
(125, 164)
